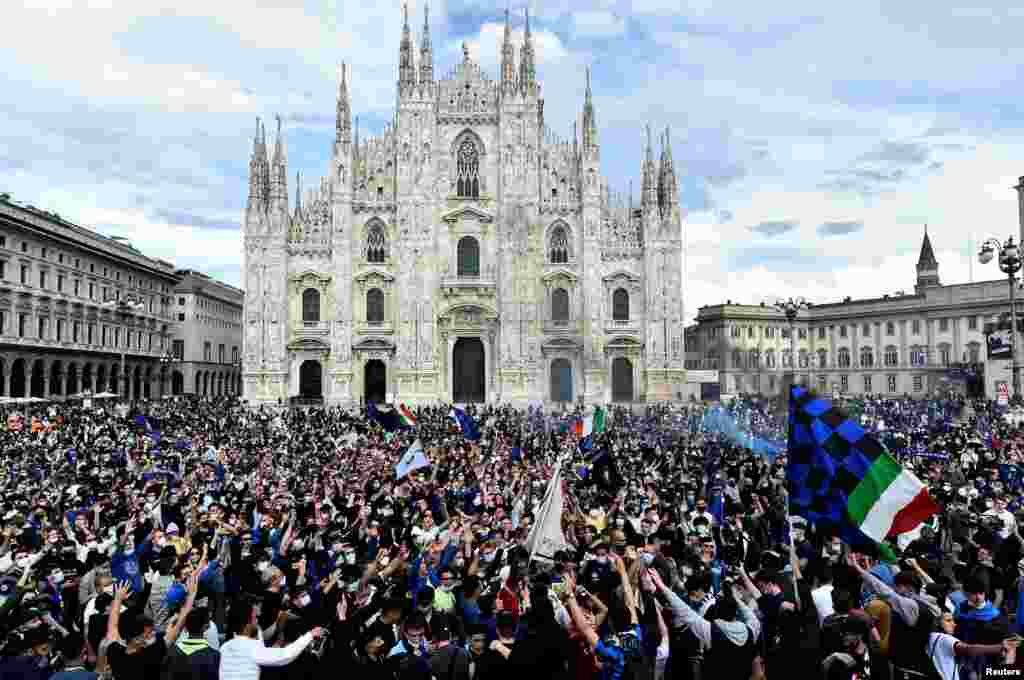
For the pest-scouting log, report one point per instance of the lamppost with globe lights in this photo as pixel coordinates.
(167, 359)
(125, 306)
(1009, 263)
(791, 308)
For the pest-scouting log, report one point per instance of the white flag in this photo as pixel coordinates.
(412, 460)
(546, 537)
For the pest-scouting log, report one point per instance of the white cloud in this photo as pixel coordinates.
(601, 23)
(116, 112)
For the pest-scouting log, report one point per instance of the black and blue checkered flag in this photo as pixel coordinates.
(842, 479)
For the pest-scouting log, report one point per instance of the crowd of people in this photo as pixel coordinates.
(202, 539)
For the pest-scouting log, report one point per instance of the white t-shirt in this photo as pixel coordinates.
(822, 598)
(942, 651)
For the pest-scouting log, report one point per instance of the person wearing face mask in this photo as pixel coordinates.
(409, 659)
(997, 508)
(596, 574)
(444, 595)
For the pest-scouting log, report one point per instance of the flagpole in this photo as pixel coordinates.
(791, 308)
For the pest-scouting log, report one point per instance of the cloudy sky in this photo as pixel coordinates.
(813, 140)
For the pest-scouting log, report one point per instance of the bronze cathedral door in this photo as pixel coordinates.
(468, 371)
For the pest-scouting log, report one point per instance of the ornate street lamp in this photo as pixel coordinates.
(791, 308)
(1009, 264)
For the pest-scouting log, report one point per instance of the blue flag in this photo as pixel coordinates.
(413, 460)
(149, 426)
(467, 425)
(829, 455)
(716, 503)
(386, 416)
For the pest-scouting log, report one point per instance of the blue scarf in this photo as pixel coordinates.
(985, 613)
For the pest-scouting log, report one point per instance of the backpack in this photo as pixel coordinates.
(204, 663)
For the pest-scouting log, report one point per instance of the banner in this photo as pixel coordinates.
(1000, 344)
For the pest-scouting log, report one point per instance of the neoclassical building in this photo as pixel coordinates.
(79, 311)
(206, 342)
(931, 340)
(467, 253)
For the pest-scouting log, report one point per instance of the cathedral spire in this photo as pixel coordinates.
(527, 67)
(279, 174)
(508, 57)
(426, 50)
(298, 195)
(589, 122)
(406, 68)
(255, 190)
(668, 172)
(344, 119)
(264, 168)
(649, 190)
(927, 265)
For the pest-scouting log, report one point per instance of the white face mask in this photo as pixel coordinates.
(304, 601)
(262, 566)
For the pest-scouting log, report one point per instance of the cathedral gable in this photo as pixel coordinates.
(467, 213)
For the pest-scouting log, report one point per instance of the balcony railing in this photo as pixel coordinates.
(622, 325)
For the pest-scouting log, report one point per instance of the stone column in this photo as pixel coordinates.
(46, 384)
(449, 369)
(957, 339)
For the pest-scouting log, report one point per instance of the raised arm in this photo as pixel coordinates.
(113, 621)
(908, 608)
(282, 656)
(683, 615)
(627, 589)
(586, 630)
(179, 623)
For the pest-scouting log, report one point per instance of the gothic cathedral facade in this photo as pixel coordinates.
(467, 254)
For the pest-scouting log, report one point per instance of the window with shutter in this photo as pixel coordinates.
(468, 256)
(375, 306)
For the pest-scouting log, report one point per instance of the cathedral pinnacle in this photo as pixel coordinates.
(508, 58)
(256, 199)
(344, 121)
(527, 67)
(279, 174)
(426, 50)
(589, 123)
(668, 191)
(649, 189)
(406, 68)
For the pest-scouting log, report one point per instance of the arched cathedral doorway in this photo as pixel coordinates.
(561, 380)
(375, 381)
(622, 379)
(311, 380)
(468, 371)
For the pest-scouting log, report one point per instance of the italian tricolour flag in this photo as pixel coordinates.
(406, 416)
(889, 500)
(591, 424)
